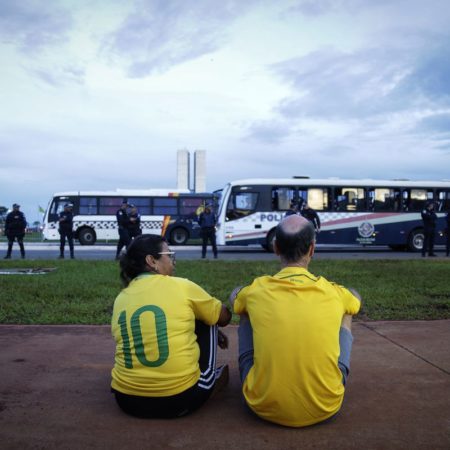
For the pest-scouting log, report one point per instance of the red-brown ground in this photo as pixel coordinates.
(54, 394)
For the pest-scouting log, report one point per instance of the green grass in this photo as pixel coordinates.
(83, 292)
(29, 237)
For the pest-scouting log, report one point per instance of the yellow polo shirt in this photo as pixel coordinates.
(153, 324)
(296, 317)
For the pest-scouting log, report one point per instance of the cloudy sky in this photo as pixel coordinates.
(100, 94)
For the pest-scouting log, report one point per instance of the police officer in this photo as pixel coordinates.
(15, 226)
(134, 226)
(123, 222)
(207, 222)
(447, 232)
(294, 209)
(66, 230)
(311, 215)
(429, 226)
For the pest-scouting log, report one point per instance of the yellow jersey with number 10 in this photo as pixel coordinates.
(153, 324)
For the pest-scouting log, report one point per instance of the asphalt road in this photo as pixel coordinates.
(44, 250)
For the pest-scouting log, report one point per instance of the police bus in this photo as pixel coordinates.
(361, 212)
(170, 213)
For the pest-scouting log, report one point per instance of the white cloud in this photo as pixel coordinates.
(100, 94)
(32, 25)
(161, 34)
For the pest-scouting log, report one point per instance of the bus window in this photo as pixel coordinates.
(282, 198)
(241, 204)
(88, 206)
(318, 199)
(192, 206)
(109, 205)
(142, 204)
(349, 199)
(443, 201)
(416, 199)
(57, 207)
(302, 196)
(165, 206)
(384, 199)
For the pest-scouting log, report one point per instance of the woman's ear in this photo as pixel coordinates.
(151, 263)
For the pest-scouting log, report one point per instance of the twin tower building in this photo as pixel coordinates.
(184, 171)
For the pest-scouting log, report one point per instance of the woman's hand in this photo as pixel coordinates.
(222, 340)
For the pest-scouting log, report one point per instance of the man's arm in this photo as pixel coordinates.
(233, 296)
(356, 294)
(318, 221)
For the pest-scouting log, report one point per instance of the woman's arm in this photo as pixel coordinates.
(225, 317)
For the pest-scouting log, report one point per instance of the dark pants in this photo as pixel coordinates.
(209, 233)
(11, 240)
(187, 401)
(124, 240)
(63, 234)
(428, 241)
(447, 247)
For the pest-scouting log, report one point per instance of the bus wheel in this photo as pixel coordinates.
(86, 236)
(178, 236)
(415, 241)
(270, 238)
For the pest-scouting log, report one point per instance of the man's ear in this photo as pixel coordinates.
(276, 250)
(312, 249)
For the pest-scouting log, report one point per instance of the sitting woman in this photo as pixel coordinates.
(166, 335)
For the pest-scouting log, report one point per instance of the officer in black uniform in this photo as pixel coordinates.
(123, 222)
(15, 226)
(447, 232)
(207, 222)
(309, 213)
(429, 227)
(134, 227)
(294, 209)
(66, 230)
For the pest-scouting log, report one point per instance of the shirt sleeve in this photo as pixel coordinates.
(240, 303)
(351, 303)
(206, 308)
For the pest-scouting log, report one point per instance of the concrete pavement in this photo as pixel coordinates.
(54, 394)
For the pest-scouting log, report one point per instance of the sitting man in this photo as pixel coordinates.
(294, 335)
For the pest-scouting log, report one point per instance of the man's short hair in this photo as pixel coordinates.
(293, 246)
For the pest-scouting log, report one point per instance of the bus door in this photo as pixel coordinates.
(56, 207)
(242, 222)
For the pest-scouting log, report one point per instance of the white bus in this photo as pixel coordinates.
(170, 213)
(364, 212)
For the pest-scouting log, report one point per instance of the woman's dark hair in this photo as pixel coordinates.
(132, 263)
(293, 246)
